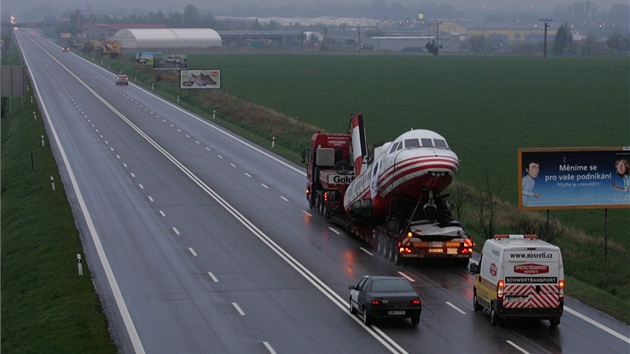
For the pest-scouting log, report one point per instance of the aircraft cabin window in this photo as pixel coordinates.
(440, 144)
(393, 147)
(427, 142)
(411, 143)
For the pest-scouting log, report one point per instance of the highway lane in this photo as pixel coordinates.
(269, 193)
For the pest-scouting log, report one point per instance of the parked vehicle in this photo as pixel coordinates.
(391, 198)
(385, 297)
(519, 276)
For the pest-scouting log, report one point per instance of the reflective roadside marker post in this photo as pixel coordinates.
(52, 182)
(214, 112)
(273, 142)
(43, 141)
(79, 264)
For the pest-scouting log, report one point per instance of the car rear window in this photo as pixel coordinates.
(390, 285)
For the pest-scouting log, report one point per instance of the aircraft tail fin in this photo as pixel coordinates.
(359, 144)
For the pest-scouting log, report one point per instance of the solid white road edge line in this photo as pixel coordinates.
(111, 279)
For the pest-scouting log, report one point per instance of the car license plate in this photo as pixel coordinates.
(516, 298)
(435, 250)
(396, 313)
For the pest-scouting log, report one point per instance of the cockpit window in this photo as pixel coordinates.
(393, 147)
(411, 143)
(426, 142)
(439, 143)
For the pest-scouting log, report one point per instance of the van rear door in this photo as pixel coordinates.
(531, 278)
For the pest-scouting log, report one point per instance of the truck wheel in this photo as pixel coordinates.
(311, 200)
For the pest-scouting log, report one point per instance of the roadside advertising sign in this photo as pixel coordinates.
(200, 79)
(571, 178)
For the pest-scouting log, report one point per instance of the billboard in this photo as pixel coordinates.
(170, 62)
(200, 79)
(110, 47)
(572, 178)
(146, 58)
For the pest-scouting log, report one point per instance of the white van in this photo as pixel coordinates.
(519, 276)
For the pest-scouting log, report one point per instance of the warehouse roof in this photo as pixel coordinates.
(132, 38)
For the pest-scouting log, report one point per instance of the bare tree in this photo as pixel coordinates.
(486, 207)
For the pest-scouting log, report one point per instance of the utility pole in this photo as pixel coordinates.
(546, 21)
(360, 44)
(437, 36)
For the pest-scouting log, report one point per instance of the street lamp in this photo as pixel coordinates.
(546, 21)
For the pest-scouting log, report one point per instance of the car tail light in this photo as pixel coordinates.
(376, 302)
(500, 286)
(415, 302)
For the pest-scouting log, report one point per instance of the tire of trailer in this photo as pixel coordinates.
(386, 248)
(380, 244)
(395, 255)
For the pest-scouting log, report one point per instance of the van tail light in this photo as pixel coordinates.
(500, 286)
(326, 196)
(561, 289)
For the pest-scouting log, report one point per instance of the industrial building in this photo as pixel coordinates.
(167, 38)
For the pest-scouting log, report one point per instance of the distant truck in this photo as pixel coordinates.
(519, 276)
(390, 199)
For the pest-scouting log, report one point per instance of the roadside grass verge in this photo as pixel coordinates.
(46, 306)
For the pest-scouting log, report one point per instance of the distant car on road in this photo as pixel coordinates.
(385, 297)
(173, 60)
(65, 49)
(142, 60)
(122, 80)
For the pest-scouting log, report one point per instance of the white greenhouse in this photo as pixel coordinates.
(167, 38)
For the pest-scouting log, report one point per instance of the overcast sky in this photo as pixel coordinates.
(23, 7)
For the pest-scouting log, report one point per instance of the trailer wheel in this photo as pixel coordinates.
(386, 248)
(381, 244)
(395, 255)
(318, 203)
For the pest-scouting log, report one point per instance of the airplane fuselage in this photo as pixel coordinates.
(417, 163)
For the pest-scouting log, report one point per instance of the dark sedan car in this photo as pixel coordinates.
(385, 297)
